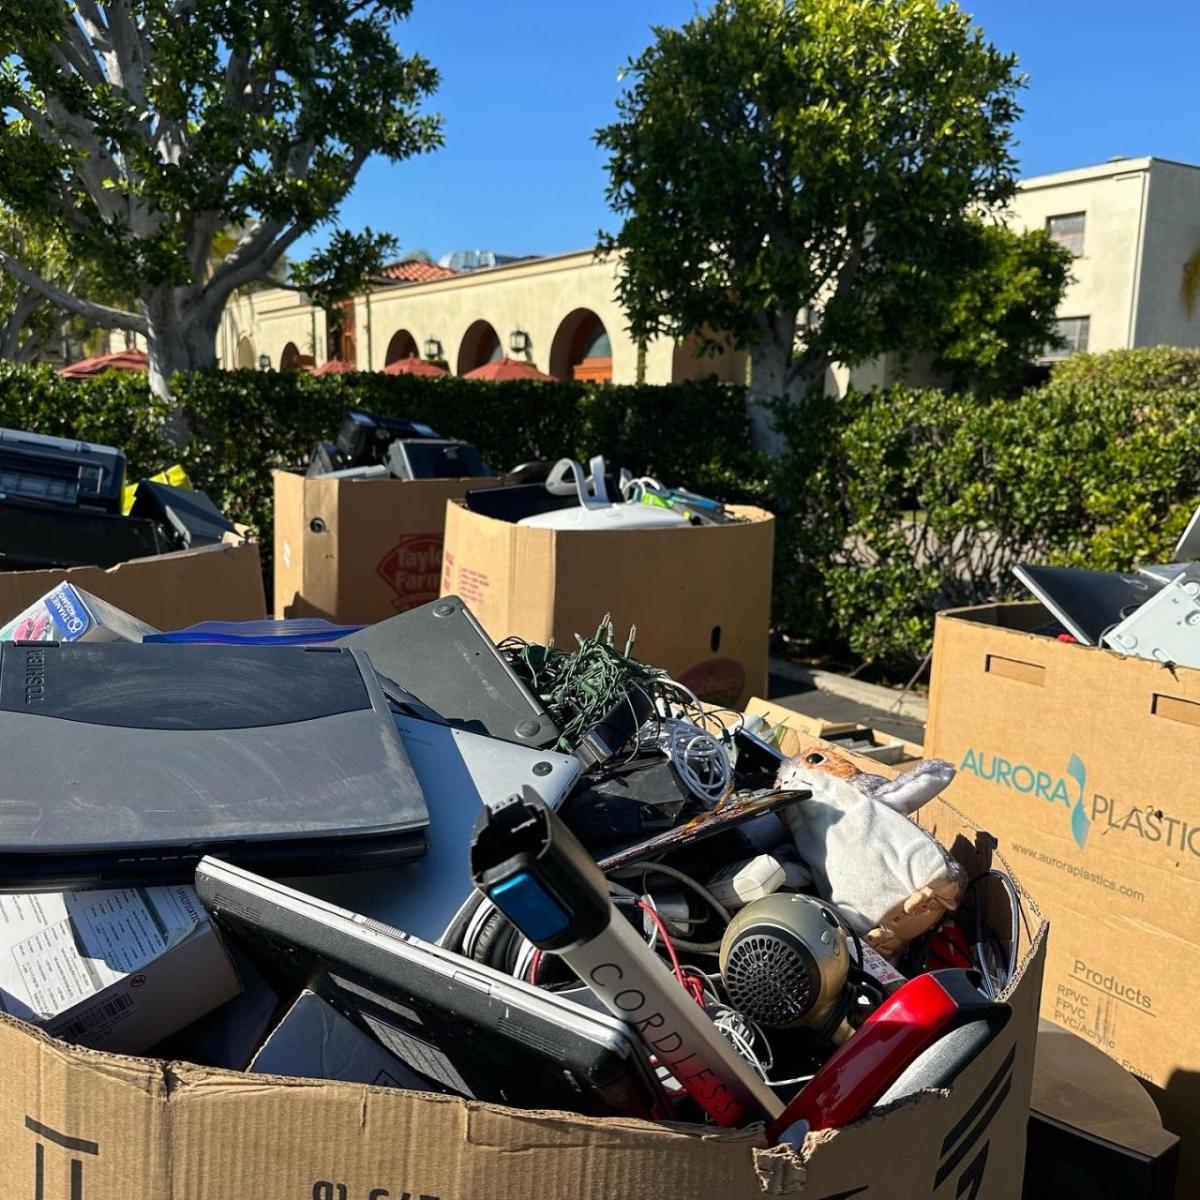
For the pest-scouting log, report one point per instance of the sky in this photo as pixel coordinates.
(525, 83)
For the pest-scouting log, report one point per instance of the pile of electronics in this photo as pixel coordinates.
(62, 505)
(561, 495)
(369, 446)
(529, 875)
(1153, 612)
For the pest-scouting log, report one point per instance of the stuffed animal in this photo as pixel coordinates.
(890, 878)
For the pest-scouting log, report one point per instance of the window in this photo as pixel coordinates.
(1074, 334)
(1067, 231)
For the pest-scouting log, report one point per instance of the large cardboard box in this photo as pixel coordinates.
(357, 551)
(170, 591)
(1083, 763)
(82, 1125)
(699, 597)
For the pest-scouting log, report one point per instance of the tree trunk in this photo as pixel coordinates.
(177, 343)
(770, 370)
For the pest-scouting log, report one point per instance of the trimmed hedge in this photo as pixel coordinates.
(906, 502)
(893, 504)
(245, 423)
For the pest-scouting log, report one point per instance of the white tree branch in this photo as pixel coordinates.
(98, 314)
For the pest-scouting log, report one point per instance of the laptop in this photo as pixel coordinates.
(441, 653)
(124, 763)
(458, 772)
(467, 1030)
(1087, 603)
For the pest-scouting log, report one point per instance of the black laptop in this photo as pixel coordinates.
(124, 763)
(467, 1029)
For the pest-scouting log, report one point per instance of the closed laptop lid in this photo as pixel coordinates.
(121, 747)
(1088, 603)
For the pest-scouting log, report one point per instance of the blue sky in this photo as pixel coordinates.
(526, 82)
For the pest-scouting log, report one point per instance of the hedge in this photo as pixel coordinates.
(245, 423)
(893, 504)
(905, 502)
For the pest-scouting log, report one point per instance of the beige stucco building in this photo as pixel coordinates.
(1133, 224)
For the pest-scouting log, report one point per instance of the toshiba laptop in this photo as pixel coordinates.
(465, 1028)
(458, 772)
(123, 763)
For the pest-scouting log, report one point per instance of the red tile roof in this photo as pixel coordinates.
(416, 271)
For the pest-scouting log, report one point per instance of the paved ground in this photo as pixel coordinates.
(815, 703)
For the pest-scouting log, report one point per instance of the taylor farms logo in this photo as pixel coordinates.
(412, 568)
(1084, 812)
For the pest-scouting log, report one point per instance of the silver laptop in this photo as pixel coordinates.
(458, 772)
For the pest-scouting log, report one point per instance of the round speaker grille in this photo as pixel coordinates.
(770, 977)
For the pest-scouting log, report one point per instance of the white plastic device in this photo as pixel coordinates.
(737, 884)
(1167, 627)
(596, 510)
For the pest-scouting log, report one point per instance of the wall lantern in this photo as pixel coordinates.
(433, 348)
(518, 341)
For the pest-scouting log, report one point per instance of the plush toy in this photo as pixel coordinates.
(890, 878)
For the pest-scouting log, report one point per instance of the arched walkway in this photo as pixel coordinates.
(289, 359)
(247, 360)
(480, 344)
(581, 348)
(402, 345)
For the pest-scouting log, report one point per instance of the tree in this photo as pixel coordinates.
(343, 270)
(144, 128)
(1000, 314)
(30, 324)
(774, 158)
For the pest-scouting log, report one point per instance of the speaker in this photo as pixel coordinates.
(784, 961)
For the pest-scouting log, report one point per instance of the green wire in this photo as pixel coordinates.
(577, 688)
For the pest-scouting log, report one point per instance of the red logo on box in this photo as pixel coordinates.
(412, 568)
(719, 680)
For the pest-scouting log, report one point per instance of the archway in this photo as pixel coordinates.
(247, 360)
(289, 359)
(582, 348)
(402, 345)
(724, 363)
(480, 345)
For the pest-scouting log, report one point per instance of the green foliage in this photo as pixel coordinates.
(772, 156)
(1002, 311)
(143, 129)
(906, 502)
(245, 423)
(343, 269)
(893, 504)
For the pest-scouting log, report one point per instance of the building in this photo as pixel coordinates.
(560, 313)
(1133, 224)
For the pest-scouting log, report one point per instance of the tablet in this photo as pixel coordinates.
(464, 1028)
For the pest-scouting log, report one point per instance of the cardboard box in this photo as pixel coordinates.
(1083, 764)
(169, 591)
(314, 1041)
(119, 969)
(699, 597)
(69, 614)
(357, 551)
(870, 743)
(130, 1129)
(1093, 1130)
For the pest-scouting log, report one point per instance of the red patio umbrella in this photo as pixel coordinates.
(508, 368)
(412, 365)
(118, 360)
(334, 366)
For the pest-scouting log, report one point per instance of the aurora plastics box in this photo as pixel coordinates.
(1083, 764)
(699, 597)
(78, 1124)
(356, 551)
